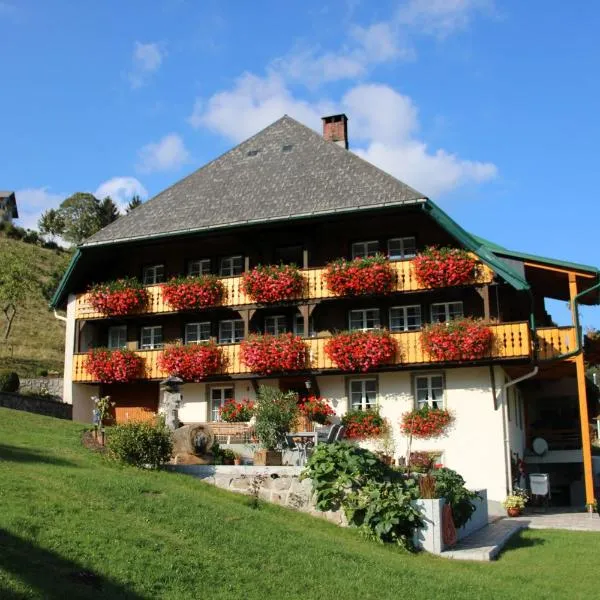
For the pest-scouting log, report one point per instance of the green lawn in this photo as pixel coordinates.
(73, 525)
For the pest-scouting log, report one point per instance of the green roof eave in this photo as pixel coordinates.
(476, 245)
(60, 290)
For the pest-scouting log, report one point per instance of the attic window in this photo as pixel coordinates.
(287, 148)
(252, 152)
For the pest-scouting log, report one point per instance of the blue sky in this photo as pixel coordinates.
(488, 108)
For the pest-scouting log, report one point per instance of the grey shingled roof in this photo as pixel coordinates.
(258, 181)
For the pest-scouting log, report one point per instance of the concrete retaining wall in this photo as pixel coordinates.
(282, 485)
(36, 404)
(43, 386)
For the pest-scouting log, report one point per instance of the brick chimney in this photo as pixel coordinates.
(335, 129)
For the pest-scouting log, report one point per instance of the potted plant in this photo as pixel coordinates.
(237, 458)
(273, 283)
(361, 350)
(426, 422)
(444, 267)
(274, 353)
(120, 297)
(514, 505)
(371, 275)
(363, 424)
(236, 412)
(192, 362)
(460, 339)
(113, 366)
(227, 456)
(317, 410)
(274, 413)
(189, 293)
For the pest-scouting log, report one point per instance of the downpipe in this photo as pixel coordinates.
(59, 317)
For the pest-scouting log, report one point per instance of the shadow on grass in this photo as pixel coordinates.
(517, 542)
(53, 576)
(24, 455)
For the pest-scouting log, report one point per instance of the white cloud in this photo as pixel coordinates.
(32, 202)
(146, 59)
(384, 122)
(440, 17)
(252, 104)
(121, 190)
(169, 153)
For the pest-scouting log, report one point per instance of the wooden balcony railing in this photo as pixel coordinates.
(234, 296)
(511, 341)
(554, 341)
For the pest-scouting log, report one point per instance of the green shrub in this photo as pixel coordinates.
(9, 381)
(451, 486)
(275, 412)
(374, 498)
(140, 444)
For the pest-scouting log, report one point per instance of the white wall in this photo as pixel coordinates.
(474, 444)
(69, 345)
(81, 395)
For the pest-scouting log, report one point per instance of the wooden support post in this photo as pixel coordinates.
(484, 292)
(246, 317)
(305, 258)
(246, 264)
(584, 419)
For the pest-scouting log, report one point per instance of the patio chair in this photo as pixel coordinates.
(327, 435)
(341, 432)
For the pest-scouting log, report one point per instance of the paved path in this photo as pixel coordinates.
(488, 542)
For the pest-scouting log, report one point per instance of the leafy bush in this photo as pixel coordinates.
(375, 498)
(9, 381)
(451, 486)
(141, 443)
(275, 411)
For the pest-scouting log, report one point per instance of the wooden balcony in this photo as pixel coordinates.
(511, 341)
(315, 289)
(555, 341)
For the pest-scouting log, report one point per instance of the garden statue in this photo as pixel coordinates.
(171, 401)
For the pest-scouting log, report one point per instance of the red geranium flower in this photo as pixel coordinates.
(316, 409)
(444, 267)
(362, 424)
(120, 297)
(361, 350)
(426, 422)
(266, 284)
(274, 353)
(236, 412)
(372, 275)
(193, 362)
(113, 366)
(186, 293)
(460, 339)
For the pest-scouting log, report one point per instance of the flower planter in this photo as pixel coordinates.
(120, 297)
(268, 284)
(193, 362)
(444, 267)
(360, 276)
(514, 512)
(236, 412)
(363, 424)
(316, 410)
(426, 423)
(113, 366)
(188, 293)
(459, 340)
(263, 458)
(361, 350)
(274, 353)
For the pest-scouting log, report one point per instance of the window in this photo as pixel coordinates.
(299, 326)
(405, 318)
(363, 319)
(429, 390)
(153, 274)
(399, 248)
(231, 331)
(446, 311)
(117, 336)
(364, 249)
(218, 397)
(199, 267)
(275, 325)
(197, 332)
(231, 265)
(152, 337)
(363, 393)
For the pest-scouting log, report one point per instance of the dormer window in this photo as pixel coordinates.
(401, 248)
(153, 274)
(231, 265)
(364, 249)
(199, 267)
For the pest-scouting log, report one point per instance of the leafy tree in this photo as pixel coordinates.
(133, 203)
(17, 283)
(109, 211)
(51, 223)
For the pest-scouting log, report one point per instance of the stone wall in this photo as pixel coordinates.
(37, 404)
(279, 485)
(43, 386)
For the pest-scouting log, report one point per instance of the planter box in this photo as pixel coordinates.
(267, 458)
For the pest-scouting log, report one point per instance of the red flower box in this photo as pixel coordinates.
(316, 410)
(267, 284)
(372, 275)
(425, 423)
(120, 297)
(274, 353)
(361, 350)
(113, 366)
(236, 412)
(444, 267)
(464, 339)
(187, 293)
(363, 424)
(193, 362)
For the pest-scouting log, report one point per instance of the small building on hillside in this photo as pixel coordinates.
(8, 207)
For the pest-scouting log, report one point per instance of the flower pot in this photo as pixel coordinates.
(513, 512)
(264, 458)
(237, 461)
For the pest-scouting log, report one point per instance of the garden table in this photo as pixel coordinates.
(302, 441)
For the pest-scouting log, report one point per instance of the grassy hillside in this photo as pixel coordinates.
(74, 525)
(37, 338)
